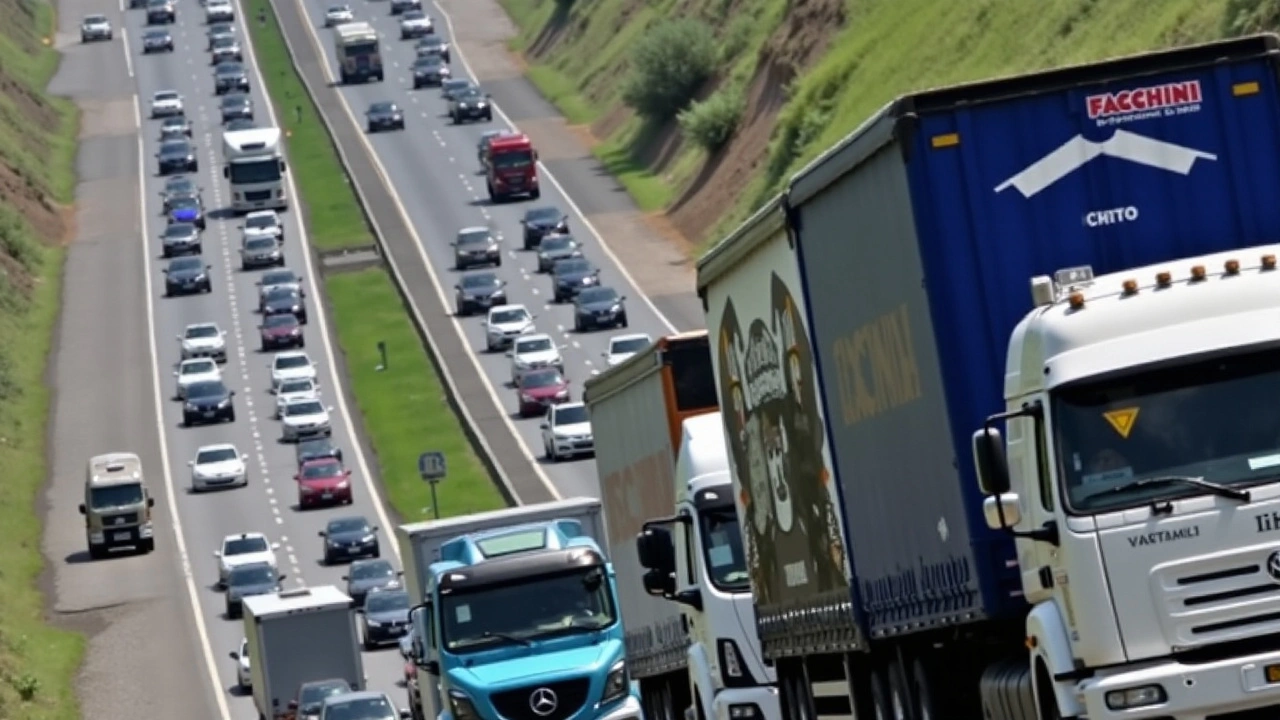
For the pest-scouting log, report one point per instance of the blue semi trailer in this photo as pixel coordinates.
(861, 323)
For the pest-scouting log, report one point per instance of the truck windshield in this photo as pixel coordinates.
(361, 48)
(722, 544)
(113, 496)
(1209, 419)
(527, 609)
(509, 160)
(255, 171)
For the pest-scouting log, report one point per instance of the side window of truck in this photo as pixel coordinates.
(684, 535)
(1042, 466)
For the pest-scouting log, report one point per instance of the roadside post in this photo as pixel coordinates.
(432, 469)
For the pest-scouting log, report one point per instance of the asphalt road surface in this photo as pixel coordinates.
(434, 169)
(268, 504)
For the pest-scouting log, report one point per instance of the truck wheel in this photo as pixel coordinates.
(881, 705)
(926, 697)
(148, 546)
(536, 194)
(96, 552)
(900, 695)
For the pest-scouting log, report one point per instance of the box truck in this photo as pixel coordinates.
(517, 613)
(664, 481)
(298, 636)
(871, 317)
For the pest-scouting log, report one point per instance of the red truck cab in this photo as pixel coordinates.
(512, 167)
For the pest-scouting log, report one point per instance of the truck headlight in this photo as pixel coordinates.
(745, 711)
(1137, 697)
(463, 708)
(616, 684)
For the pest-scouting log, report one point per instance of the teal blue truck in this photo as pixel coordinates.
(516, 617)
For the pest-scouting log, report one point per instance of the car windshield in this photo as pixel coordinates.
(180, 185)
(471, 95)
(339, 10)
(229, 101)
(722, 545)
(114, 496)
(201, 331)
(315, 448)
(260, 243)
(510, 316)
(279, 277)
(180, 230)
(172, 122)
(183, 202)
(360, 709)
(541, 380)
(571, 415)
(226, 41)
(261, 222)
(255, 574)
(230, 69)
(295, 386)
(1204, 419)
(95, 19)
(281, 321)
(165, 95)
(533, 346)
(291, 362)
(527, 608)
(306, 407)
(206, 389)
(387, 601)
(245, 545)
(555, 242)
(187, 264)
(313, 694)
(348, 525)
(216, 455)
(570, 267)
(454, 86)
(282, 295)
(429, 61)
(414, 15)
(628, 345)
(372, 570)
(470, 237)
(322, 470)
(543, 215)
(484, 280)
(382, 107)
(198, 367)
(431, 41)
(241, 124)
(598, 295)
(175, 148)
(157, 35)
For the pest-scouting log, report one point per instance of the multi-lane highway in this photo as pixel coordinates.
(432, 168)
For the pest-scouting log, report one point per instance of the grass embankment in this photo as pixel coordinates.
(577, 51)
(404, 408)
(38, 133)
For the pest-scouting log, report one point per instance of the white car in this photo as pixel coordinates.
(566, 431)
(305, 419)
(193, 371)
(415, 23)
(244, 549)
(216, 11)
(218, 466)
(338, 14)
(622, 347)
(263, 222)
(95, 27)
(204, 340)
(534, 351)
(166, 103)
(244, 678)
(297, 389)
(292, 365)
(505, 323)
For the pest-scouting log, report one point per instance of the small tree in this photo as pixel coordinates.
(712, 122)
(669, 63)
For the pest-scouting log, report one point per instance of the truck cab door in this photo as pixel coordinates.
(1031, 466)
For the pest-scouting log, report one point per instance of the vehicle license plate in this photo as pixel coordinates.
(327, 496)
(209, 414)
(120, 536)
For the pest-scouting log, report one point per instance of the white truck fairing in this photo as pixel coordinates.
(254, 166)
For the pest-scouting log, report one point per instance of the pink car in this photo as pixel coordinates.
(536, 389)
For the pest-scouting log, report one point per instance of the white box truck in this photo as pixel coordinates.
(298, 636)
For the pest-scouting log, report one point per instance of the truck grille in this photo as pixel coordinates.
(1220, 599)
(257, 195)
(570, 696)
(121, 519)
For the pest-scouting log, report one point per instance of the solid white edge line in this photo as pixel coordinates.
(435, 280)
(171, 490)
(546, 172)
(305, 245)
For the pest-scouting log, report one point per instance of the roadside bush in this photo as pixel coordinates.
(16, 240)
(1242, 17)
(669, 63)
(711, 123)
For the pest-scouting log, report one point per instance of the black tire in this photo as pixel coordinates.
(147, 546)
(231, 416)
(96, 552)
(498, 262)
(535, 194)
(199, 249)
(302, 343)
(186, 420)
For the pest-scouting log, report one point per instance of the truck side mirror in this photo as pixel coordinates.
(83, 511)
(151, 502)
(655, 549)
(234, 655)
(226, 172)
(660, 584)
(990, 462)
(432, 667)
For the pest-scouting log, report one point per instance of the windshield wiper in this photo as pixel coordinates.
(487, 635)
(1196, 482)
(572, 629)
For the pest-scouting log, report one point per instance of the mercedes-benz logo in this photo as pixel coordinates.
(1273, 565)
(543, 701)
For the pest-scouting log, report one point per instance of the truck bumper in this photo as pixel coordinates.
(757, 703)
(628, 709)
(1194, 691)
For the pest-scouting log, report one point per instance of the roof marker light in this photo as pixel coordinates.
(1076, 300)
(1198, 273)
(1268, 262)
(1164, 279)
(1130, 287)
(1231, 267)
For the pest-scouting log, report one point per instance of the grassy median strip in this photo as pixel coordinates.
(404, 407)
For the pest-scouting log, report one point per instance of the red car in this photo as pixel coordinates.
(536, 389)
(281, 331)
(323, 481)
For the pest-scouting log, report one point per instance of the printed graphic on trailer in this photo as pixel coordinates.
(777, 444)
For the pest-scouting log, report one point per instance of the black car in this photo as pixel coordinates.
(177, 156)
(311, 696)
(157, 41)
(384, 116)
(240, 124)
(599, 307)
(433, 45)
(403, 6)
(176, 123)
(450, 88)
(554, 248)
(208, 401)
(181, 239)
(230, 77)
(161, 12)
(349, 538)
(541, 221)
(187, 208)
(249, 580)
(187, 276)
(476, 246)
(471, 104)
(236, 105)
(366, 576)
(384, 619)
(478, 292)
(429, 71)
(571, 276)
(285, 301)
(176, 186)
(317, 449)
